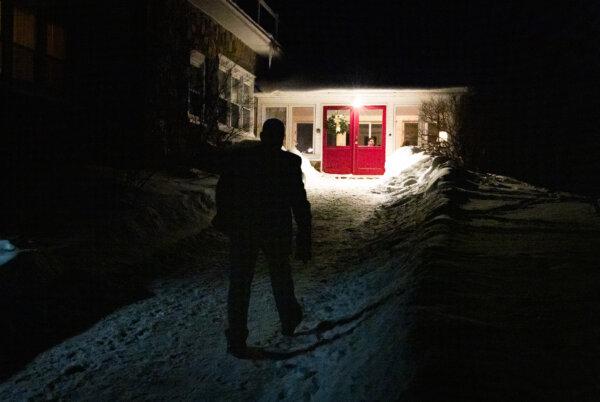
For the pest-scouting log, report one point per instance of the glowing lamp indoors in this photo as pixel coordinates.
(443, 136)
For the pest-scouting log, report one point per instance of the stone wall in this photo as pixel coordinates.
(174, 28)
(210, 38)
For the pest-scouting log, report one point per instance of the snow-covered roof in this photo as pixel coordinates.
(362, 91)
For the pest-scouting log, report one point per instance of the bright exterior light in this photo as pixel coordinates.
(357, 103)
(443, 136)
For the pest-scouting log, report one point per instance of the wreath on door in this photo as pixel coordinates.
(337, 124)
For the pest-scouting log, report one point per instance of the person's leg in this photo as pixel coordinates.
(243, 259)
(290, 311)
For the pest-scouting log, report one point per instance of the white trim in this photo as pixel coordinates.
(364, 91)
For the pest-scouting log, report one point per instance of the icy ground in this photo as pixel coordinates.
(428, 284)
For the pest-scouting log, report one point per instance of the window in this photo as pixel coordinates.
(55, 41)
(411, 134)
(276, 113)
(24, 44)
(338, 127)
(196, 87)
(55, 54)
(235, 96)
(370, 129)
(303, 120)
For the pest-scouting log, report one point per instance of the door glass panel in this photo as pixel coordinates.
(338, 127)
(370, 127)
(303, 120)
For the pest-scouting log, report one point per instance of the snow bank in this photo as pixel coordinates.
(403, 159)
(312, 177)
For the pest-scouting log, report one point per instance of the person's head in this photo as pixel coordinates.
(371, 141)
(273, 132)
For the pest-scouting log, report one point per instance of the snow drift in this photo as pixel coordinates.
(430, 283)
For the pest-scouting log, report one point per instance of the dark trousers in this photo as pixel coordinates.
(243, 261)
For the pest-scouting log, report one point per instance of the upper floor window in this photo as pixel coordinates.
(196, 86)
(236, 103)
(23, 43)
(38, 47)
(55, 54)
(55, 41)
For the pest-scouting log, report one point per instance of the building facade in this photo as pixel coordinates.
(119, 81)
(352, 131)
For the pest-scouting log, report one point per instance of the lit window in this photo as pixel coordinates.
(24, 44)
(370, 127)
(55, 41)
(337, 127)
(55, 52)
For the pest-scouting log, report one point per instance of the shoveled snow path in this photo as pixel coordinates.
(434, 284)
(171, 346)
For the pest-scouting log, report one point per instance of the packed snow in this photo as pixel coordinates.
(430, 283)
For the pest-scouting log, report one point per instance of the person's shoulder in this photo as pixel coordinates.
(291, 158)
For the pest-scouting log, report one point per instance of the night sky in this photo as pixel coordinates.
(429, 43)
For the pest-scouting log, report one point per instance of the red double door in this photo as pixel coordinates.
(354, 140)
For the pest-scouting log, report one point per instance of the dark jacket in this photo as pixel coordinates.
(257, 192)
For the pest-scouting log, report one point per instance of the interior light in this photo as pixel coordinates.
(443, 136)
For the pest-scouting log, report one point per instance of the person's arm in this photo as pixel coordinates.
(302, 213)
(224, 196)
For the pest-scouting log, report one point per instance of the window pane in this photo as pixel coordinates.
(303, 120)
(236, 89)
(223, 112)
(305, 138)
(371, 124)
(363, 133)
(411, 133)
(338, 127)
(247, 94)
(55, 41)
(224, 85)
(235, 115)
(24, 28)
(276, 113)
(246, 113)
(376, 133)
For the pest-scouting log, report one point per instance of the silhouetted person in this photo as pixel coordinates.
(256, 194)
